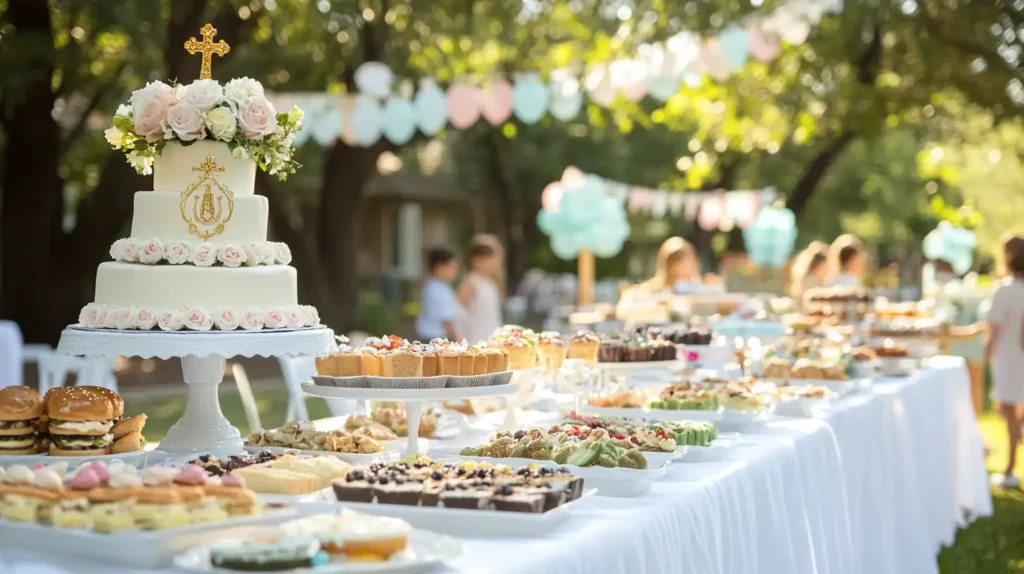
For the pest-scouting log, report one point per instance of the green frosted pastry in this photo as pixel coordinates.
(606, 461)
(633, 459)
(561, 454)
(520, 449)
(470, 451)
(585, 455)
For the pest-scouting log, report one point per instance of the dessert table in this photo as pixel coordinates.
(876, 485)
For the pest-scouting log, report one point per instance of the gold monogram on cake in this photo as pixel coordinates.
(207, 204)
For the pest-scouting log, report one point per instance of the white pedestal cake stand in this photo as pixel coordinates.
(414, 400)
(203, 428)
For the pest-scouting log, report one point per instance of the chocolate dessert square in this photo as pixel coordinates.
(356, 491)
(508, 499)
(465, 498)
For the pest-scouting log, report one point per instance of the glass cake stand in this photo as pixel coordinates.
(203, 428)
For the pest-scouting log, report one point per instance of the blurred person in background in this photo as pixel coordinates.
(676, 268)
(480, 292)
(439, 309)
(1005, 352)
(810, 269)
(847, 262)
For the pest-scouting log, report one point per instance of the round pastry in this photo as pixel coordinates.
(20, 409)
(268, 555)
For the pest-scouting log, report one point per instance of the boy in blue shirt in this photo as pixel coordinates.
(439, 308)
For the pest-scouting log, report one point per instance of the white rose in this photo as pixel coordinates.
(295, 316)
(239, 153)
(237, 91)
(313, 316)
(128, 250)
(204, 255)
(257, 118)
(87, 315)
(114, 137)
(275, 319)
(197, 319)
(231, 256)
(110, 319)
(251, 320)
(143, 319)
(204, 94)
(283, 253)
(99, 318)
(227, 320)
(170, 320)
(141, 96)
(123, 110)
(177, 253)
(151, 251)
(116, 248)
(222, 123)
(253, 255)
(122, 318)
(186, 121)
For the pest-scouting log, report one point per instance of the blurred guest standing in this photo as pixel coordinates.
(676, 268)
(479, 291)
(809, 270)
(439, 309)
(847, 261)
(1005, 352)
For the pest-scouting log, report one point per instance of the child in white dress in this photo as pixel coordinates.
(1005, 352)
(479, 292)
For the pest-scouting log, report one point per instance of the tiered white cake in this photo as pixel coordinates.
(198, 256)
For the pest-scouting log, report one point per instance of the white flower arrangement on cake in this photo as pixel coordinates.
(237, 114)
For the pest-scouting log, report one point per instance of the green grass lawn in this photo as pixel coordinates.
(988, 546)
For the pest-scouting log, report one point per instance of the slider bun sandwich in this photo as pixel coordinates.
(20, 409)
(81, 420)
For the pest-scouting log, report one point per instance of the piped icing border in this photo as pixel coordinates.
(197, 318)
(200, 254)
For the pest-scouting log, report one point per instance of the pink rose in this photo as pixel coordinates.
(252, 320)
(151, 116)
(143, 319)
(295, 317)
(177, 253)
(257, 118)
(186, 121)
(129, 251)
(87, 316)
(122, 318)
(283, 253)
(232, 256)
(313, 316)
(204, 255)
(275, 319)
(170, 320)
(151, 251)
(227, 320)
(116, 248)
(99, 318)
(253, 254)
(197, 320)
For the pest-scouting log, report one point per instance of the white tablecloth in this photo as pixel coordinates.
(877, 487)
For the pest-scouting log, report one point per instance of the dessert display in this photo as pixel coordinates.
(743, 395)
(863, 353)
(302, 435)
(397, 358)
(685, 433)
(520, 344)
(268, 554)
(678, 334)
(636, 348)
(621, 399)
(198, 258)
(219, 467)
(551, 351)
(20, 411)
(118, 497)
(907, 328)
(293, 474)
(803, 369)
(890, 349)
(806, 392)
(466, 485)
(577, 445)
(584, 345)
(837, 295)
(353, 536)
(686, 397)
(390, 416)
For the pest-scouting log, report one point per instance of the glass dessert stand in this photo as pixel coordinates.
(203, 428)
(414, 399)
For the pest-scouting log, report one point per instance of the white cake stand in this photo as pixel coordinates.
(414, 400)
(203, 428)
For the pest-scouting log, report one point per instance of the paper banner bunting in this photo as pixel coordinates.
(683, 48)
(675, 203)
(495, 101)
(709, 61)
(530, 99)
(734, 47)
(566, 99)
(324, 126)
(399, 120)
(711, 212)
(629, 78)
(374, 79)
(599, 87)
(365, 120)
(691, 207)
(431, 108)
(638, 200)
(659, 204)
(663, 87)
(462, 106)
(764, 45)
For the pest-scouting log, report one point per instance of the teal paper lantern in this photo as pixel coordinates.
(398, 121)
(566, 99)
(734, 47)
(770, 239)
(953, 245)
(365, 121)
(663, 87)
(325, 125)
(431, 108)
(586, 218)
(530, 100)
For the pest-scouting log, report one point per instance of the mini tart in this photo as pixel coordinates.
(584, 345)
(479, 362)
(402, 364)
(358, 537)
(497, 360)
(286, 553)
(430, 364)
(465, 364)
(449, 363)
(371, 364)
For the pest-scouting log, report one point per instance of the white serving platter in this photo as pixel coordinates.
(139, 458)
(654, 414)
(642, 366)
(425, 550)
(408, 394)
(137, 548)
(360, 459)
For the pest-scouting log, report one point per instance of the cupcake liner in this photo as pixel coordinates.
(406, 383)
(500, 378)
(323, 381)
(461, 382)
(352, 382)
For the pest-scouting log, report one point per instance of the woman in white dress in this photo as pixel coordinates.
(847, 261)
(1005, 352)
(479, 292)
(810, 269)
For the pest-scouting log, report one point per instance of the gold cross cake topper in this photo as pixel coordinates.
(208, 49)
(212, 203)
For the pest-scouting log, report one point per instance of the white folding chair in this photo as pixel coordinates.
(296, 370)
(252, 412)
(34, 353)
(11, 352)
(55, 369)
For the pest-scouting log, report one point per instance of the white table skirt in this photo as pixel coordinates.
(877, 486)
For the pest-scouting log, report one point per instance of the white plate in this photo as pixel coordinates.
(361, 459)
(473, 523)
(139, 548)
(408, 394)
(425, 550)
(139, 458)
